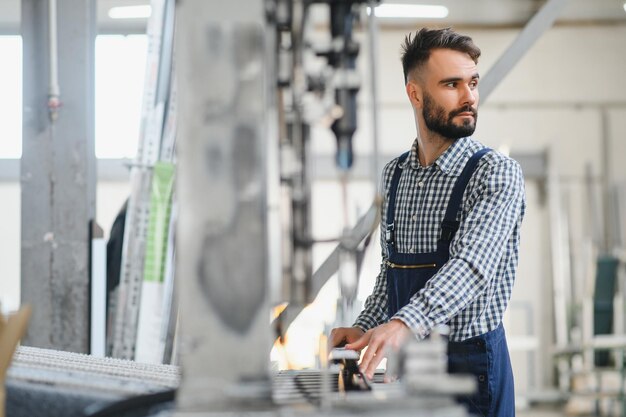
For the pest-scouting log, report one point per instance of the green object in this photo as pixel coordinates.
(604, 292)
(158, 226)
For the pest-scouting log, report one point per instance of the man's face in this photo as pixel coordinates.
(450, 94)
(445, 123)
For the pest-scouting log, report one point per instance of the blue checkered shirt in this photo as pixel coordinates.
(472, 290)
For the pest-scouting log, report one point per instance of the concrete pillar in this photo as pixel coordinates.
(58, 175)
(225, 108)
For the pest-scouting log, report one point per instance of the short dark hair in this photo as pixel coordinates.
(416, 51)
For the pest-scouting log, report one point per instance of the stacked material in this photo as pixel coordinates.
(11, 331)
(52, 383)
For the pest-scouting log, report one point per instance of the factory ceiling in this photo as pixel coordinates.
(477, 13)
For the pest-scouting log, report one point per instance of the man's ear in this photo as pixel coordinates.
(414, 93)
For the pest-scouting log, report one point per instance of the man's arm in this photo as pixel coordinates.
(375, 308)
(475, 251)
(374, 313)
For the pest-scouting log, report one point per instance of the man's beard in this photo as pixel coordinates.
(437, 121)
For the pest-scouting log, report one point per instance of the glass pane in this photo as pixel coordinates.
(120, 73)
(11, 103)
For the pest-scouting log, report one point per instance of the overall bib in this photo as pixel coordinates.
(485, 356)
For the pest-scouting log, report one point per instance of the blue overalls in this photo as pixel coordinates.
(485, 356)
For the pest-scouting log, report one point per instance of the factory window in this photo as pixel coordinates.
(11, 102)
(120, 72)
(120, 68)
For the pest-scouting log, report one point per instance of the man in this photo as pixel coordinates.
(450, 229)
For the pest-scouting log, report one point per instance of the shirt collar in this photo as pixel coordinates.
(449, 162)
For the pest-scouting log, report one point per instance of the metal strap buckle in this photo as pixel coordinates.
(389, 235)
(448, 229)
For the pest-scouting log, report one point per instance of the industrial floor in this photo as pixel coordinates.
(540, 412)
(548, 412)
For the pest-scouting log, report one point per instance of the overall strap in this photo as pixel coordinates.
(450, 225)
(390, 237)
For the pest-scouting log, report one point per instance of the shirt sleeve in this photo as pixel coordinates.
(496, 208)
(374, 311)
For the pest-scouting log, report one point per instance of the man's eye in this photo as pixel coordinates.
(473, 84)
(451, 84)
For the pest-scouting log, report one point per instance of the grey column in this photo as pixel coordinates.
(225, 101)
(58, 175)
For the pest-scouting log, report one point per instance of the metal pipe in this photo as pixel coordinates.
(373, 46)
(301, 193)
(342, 59)
(54, 92)
(610, 238)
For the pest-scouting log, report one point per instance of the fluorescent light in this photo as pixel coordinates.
(130, 12)
(410, 11)
(625, 7)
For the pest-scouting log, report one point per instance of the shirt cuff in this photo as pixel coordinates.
(414, 322)
(365, 323)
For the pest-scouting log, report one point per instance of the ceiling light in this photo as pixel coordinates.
(410, 11)
(130, 12)
(625, 7)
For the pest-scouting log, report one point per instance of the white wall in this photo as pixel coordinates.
(110, 197)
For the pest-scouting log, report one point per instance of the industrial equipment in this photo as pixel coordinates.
(252, 82)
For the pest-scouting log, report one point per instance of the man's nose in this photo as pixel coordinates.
(470, 96)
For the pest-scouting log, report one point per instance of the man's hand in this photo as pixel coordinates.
(379, 340)
(342, 335)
